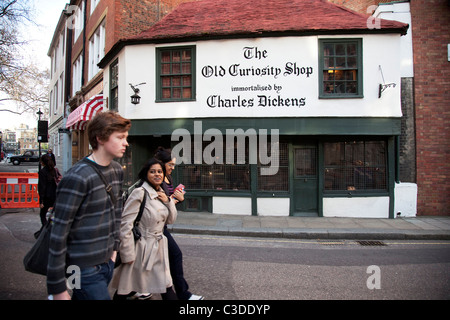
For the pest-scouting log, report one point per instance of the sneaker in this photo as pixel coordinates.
(196, 297)
(142, 296)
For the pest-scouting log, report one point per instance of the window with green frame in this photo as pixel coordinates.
(175, 76)
(355, 165)
(114, 87)
(340, 62)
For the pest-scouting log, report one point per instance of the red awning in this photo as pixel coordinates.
(78, 118)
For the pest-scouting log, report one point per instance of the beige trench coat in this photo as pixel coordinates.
(150, 270)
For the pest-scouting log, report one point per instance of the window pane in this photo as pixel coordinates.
(328, 49)
(165, 81)
(340, 49)
(186, 55)
(186, 67)
(351, 62)
(176, 81)
(166, 93)
(165, 56)
(351, 49)
(187, 93)
(356, 165)
(176, 68)
(176, 56)
(186, 81)
(165, 68)
(176, 93)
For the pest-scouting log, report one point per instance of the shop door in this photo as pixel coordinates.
(305, 183)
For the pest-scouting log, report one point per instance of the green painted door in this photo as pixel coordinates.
(305, 184)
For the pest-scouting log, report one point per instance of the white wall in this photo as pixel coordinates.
(405, 195)
(232, 205)
(273, 207)
(356, 207)
(137, 64)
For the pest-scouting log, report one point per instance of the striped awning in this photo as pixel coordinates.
(78, 118)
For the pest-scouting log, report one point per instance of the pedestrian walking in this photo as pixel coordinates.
(51, 154)
(46, 188)
(86, 225)
(175, 254)
(145, 262)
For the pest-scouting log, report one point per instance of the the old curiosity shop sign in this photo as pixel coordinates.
(257, 81)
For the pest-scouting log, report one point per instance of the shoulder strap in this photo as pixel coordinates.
(107, 185)
(141, 208)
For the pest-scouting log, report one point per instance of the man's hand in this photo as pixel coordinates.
(62, 296)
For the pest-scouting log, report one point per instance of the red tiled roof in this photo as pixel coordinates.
(220, 19)
(228, 18)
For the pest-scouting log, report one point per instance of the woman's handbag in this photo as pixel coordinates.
(36, 259)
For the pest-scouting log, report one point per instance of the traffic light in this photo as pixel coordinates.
(42, 131)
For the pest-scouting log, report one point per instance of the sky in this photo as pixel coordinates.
(46, 15)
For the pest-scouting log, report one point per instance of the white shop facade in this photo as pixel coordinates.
(275, 125)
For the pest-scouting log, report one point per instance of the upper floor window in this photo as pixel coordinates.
(94, 4)
(76, 74)
(77, 22)
(340, 62)
(96, 49)
(175, 74)
(114, 87)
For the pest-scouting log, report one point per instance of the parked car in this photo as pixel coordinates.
(27, 156)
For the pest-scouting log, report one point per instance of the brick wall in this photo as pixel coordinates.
(430, 29)
(133, 17)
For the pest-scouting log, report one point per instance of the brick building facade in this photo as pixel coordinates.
(424, 142)
(431, 37)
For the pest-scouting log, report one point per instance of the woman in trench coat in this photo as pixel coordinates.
(145, 264)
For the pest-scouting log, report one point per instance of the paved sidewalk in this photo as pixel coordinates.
(411, 228)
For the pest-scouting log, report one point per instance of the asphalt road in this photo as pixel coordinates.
(248, 268)
(233, 268)
(23, 167)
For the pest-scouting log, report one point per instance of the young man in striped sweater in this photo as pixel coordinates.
(86, 225)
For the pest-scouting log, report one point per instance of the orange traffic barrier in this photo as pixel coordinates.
(19, 190)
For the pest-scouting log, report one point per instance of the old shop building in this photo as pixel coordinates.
(310, 86)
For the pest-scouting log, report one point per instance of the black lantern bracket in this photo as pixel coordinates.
(135, 98)
(385, 85)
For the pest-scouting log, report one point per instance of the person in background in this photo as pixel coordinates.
(86, 225)
(175, 254)
(46, 188)
(52, 155)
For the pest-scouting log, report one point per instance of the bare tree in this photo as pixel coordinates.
(20, 80)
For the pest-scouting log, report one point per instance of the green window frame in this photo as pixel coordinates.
(175, 74)
(114, 87)
(341, 70)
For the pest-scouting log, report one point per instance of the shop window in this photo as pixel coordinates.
(175, 74)
(340, 63)
(280, 180)
(228, 176)
(355, 166)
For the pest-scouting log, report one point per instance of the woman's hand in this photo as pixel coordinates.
(179, 195)
(163, 197)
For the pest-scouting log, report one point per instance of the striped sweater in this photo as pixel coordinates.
(86, 225)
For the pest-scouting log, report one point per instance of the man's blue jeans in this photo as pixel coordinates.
(94, 282)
